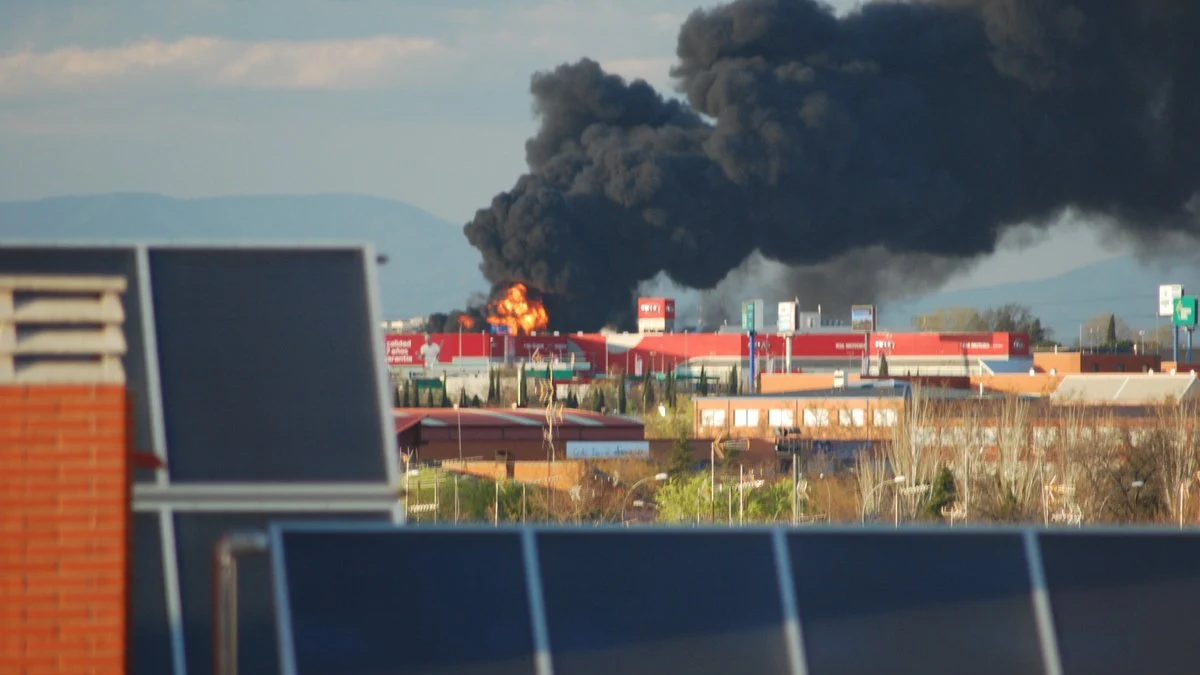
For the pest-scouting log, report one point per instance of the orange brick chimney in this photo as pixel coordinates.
(64, 476)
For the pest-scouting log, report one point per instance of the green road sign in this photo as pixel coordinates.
(1184, 311)
(748, 316)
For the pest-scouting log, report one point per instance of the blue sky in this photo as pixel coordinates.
(420, 100)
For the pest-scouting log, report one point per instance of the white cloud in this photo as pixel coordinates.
(215, 62)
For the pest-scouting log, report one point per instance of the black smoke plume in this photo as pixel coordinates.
(922, 129)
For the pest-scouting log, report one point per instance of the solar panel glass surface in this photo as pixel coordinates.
(405, 601)
(656, 602)
(1124, 603)
(915, 603)
(267, 365)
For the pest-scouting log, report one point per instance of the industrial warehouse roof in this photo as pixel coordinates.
(1133, 389)
(506, 417)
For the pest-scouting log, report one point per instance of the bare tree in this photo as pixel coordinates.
(913, 452)
(871, 469)
(1175, 443)
(1013, 492)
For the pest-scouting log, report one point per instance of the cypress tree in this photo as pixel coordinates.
(491, 393)
(647, 395)
(429, 399)
(622, 404)
(397, 402)
(462, 397)
(475, 401)
(599, 400)
(703, 382)
(445, 403)
(405, 401)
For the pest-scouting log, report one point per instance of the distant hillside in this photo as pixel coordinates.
(431, 268)
(1120, 286)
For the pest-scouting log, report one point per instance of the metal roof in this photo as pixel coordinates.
(1136, 388)
(1009, 367)
(506, 417)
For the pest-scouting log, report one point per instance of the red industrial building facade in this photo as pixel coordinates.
(641, 353)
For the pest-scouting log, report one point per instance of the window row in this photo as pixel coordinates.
(810, 417)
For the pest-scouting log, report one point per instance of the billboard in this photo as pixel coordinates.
(1167, 293)
(862, 317)
(752, 316)
(1183, 311)
(429, 351)
(788, 311)
(656, 308)
(607, 449)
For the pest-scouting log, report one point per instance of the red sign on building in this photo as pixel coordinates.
(656, 308)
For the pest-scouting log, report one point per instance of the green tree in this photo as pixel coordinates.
(622, 403)
(405, 400)
(942, 493)
(475, 402)
(883, 365)
(647, 395)
(522, 387)
(491, 392)
(429, 400)
(1110, 334)
(599, 400)
(397, 400)
(703, 382)
(679, 463)
(462, 397)
(445, 402)
(732, 385)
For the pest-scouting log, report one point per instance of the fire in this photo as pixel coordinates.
(465, 322)
(516, 311)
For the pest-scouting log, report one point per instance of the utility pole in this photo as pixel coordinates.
(795, 474)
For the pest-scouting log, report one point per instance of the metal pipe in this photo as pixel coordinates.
(225, 554)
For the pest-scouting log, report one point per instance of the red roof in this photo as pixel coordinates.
(406, 418)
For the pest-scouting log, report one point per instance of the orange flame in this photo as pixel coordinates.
(517, 312)
(465, 322)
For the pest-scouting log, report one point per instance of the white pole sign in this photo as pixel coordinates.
(1166, 298)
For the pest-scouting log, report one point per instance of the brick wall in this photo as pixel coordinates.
(64, 529)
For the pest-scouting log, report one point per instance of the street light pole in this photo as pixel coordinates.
(625, 501)
(894, 481)
(458, 413)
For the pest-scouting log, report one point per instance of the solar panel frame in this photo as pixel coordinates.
(370, 299)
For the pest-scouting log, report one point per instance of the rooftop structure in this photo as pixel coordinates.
(1133, 389)
(522, 433)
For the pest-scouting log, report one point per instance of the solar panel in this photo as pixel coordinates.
(1124, 602)
(196, 534)
(267, 361)
(915, 603)
(399, 601)
(642, 602)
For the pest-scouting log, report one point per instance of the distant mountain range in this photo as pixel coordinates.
(431, 266)
(1122, 286)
